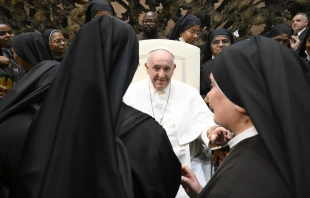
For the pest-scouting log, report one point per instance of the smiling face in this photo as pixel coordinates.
(218, 43)
(58, 44)
(160, 68)
(191, 34)
(6, 36)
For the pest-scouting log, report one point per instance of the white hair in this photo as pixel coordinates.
(159, 48)
(303, 14)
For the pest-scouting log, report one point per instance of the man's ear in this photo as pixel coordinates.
(146, 67)
(174, 66)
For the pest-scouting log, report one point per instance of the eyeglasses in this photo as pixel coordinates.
(58, 41)
(149, 22)
(193, 32)
(218, 42)
(2, 33)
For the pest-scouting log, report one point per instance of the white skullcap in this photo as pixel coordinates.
(161, 48)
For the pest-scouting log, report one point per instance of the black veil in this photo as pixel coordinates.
(71, 149)
(95, 6)
(32, 87)
(272, 84)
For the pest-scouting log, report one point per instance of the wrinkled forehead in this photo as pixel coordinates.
(301, 17)
(161, 55)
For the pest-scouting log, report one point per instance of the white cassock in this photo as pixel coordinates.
(184, 115)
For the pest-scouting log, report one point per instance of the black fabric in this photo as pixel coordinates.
(95, 6)
(302, 47)
(71, 147)
(301, 38)
(247, 171)
(207, 54)
(47, 34)
(16, 113)
(280, 29)
(183, 23)
(276, 96)
(30, 89)
(205, 82)
(156, 171)
(14, 69)
(32, 47)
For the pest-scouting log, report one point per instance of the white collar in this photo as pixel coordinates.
(250, 132)
(181, 39)
(308, 56)
(299, 33)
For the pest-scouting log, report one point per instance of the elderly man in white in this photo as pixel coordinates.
(179, 108)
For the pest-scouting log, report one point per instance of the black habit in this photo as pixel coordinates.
(205, 82)
(183, 23)
(276, 96)
(73, 148)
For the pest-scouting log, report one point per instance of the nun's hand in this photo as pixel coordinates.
(4, 60)
(189, 182)
(3, 91)
(294, 42)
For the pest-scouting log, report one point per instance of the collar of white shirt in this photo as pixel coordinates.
(299, 33)
(182, 39)
(250, 132)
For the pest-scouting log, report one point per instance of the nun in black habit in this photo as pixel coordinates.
(96, 6)
(73, 148)
(57, 43)
(186, 29)
(270, 85)
(205, 83)
(20, 104)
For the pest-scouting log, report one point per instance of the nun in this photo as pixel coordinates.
(262, 95)
(85, 142)
(21, 103)
(57, 43)
(217, 40)
(186, 29)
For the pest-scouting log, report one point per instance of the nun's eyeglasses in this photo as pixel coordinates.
(2, 33)
(193, 32)
(58, 41)
(218, 42)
